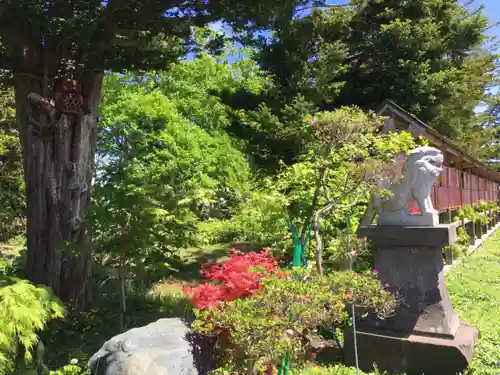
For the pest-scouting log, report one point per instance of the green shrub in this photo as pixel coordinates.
(330, 370)
(261, 220)
(68, 370)
(286, 313)
(25, 309)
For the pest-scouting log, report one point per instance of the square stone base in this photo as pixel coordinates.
(411, 354)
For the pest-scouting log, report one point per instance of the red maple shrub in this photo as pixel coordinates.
(237, 277)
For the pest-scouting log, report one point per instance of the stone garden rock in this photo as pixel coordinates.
(160, 348)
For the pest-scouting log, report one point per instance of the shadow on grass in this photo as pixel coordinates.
(188, 268)
(80, 335)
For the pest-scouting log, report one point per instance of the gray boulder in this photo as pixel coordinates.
(160, 348)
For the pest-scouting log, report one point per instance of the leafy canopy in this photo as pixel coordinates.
(160, 175)
(117, 34)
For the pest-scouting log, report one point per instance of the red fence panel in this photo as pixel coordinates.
(447, 193)
(443, 198)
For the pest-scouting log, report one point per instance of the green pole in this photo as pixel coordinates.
(299, 260)
(297, 247)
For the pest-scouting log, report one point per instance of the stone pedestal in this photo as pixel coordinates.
(395, 218)
(411, 354)
(424, 331)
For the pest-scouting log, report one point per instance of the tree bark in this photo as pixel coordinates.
(325, 210)
(58, 175)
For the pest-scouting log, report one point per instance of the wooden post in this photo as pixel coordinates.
(471, 194)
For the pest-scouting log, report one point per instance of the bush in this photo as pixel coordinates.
(261, 219)
(260, 312)
(238, 277)
(25, 309)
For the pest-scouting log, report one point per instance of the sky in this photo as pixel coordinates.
(492, 10)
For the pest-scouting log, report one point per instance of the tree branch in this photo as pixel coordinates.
(319, 184)
(325, 210)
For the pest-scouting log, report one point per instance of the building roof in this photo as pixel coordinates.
(454, 155)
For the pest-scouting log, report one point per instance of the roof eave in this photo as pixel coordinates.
(388, 104)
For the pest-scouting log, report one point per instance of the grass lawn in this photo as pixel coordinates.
(474, 288)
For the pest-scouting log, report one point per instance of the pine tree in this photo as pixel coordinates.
(425, 55)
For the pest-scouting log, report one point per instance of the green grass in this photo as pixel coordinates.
(188, 269)
(474, 288)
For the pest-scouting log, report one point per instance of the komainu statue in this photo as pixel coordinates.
(423, 166)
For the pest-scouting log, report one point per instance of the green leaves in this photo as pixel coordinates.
(126, 34)
(12, 215)
(24, 311)
(425, 55)
(162, 173)
(286, 313)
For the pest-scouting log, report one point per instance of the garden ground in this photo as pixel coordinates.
(474, 287)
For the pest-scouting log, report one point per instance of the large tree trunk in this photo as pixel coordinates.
(58, 168)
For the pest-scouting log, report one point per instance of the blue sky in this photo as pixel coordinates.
(492, 9)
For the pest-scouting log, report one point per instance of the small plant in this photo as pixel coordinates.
(462, 236)
(283, 313)
(460, 247)
(482, 212)
(457, 251)
(71, 369)
(238, 277)
(25, 309)
(492, 208)
(465, 213)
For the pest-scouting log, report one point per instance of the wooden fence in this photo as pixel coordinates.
(455, 188)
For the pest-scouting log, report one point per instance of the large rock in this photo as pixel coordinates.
(160, 348)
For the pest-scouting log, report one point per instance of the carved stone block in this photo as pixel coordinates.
(425, 326)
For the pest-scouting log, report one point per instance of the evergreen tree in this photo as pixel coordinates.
(425, 55)
(490, 123)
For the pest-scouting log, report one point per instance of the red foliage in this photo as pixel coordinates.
(237, 277)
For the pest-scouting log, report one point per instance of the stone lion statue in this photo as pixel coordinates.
(423, 166)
